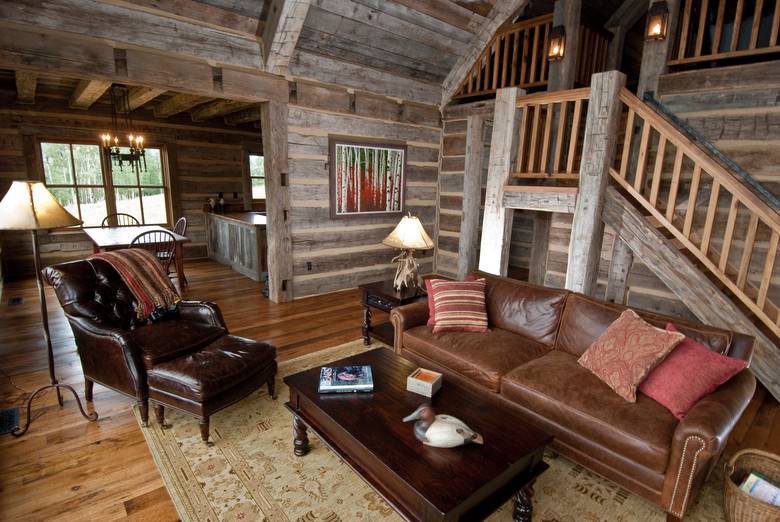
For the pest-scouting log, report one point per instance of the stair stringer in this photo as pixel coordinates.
(689, 284)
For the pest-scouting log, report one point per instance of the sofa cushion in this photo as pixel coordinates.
(459, 306)
(480, 357)
(585, 319)
(627, 351)
(166, 340)
(525, 309)
(557, 388)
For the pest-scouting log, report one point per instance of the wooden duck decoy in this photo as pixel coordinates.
(441, 431)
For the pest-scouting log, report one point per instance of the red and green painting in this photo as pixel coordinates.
(366, 179)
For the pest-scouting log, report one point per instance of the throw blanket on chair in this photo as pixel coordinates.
(144, 276)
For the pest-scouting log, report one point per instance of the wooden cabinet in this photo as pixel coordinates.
(238, 239)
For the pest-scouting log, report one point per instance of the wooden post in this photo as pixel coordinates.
(619, 268)
(562, 74)
(598, 152)
(280, 263)
(655, 54)
(472, 193)
(497, 223)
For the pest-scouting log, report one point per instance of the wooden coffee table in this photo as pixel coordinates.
(420, 482)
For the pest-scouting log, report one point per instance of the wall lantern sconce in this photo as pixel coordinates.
(557, 43)
(657, 21)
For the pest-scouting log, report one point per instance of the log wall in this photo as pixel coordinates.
(204, 159)
(333, 254)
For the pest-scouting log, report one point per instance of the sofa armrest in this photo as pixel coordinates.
(203, 312)
(700, 438)
(405, 317)
(742, 347)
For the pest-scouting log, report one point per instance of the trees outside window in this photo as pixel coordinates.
(76, 176)
(257, 175)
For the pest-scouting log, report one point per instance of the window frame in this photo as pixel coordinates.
(251, 149)
(107, 176)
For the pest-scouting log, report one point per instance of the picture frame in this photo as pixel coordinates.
(367, 177)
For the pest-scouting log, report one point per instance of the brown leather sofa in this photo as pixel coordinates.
(529, 360)
(188, 362)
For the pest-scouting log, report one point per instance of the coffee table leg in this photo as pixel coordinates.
(366, 325)
(301, 441)
(523, 505)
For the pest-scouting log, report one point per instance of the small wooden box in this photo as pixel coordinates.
(425, 382)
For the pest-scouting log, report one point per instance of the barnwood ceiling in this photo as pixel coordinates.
(57, 92)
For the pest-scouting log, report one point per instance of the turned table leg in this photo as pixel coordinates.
(366, 325)
(523, 505)
(301, 440)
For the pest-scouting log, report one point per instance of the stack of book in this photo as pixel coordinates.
(760, 487)
(346, 379)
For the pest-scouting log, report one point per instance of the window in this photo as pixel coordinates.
(257, 175)
(74, 172)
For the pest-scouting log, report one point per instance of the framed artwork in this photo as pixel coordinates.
(366, 177)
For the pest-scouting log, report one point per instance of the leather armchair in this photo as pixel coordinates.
(121, 352)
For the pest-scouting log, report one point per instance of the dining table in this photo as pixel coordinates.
(114, 238)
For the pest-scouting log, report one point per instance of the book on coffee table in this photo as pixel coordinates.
(346, 379)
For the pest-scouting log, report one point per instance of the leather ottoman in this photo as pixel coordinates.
(214, 377)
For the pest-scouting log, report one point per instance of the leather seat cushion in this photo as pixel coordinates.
(206, 373)
(480, 357)
(557, 388)
(166, 340)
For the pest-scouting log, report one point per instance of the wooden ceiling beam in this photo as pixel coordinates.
(178, 103)
(26, 82)
(448, 12)
(88, 92)
(217, 108)
(199, 13)
(281, 31)
(245, 116)
(139, 96)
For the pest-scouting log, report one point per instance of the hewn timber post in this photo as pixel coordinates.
(562, 74)
(274, 124)
(598, 153)
(621, 260)
(655, 53)
(472, 193)
(497, 223)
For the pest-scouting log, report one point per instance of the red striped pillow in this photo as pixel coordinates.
(459, 306)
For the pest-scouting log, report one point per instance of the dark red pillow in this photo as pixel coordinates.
(690, 372)
(431, 311)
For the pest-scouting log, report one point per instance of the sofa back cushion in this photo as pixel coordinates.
(585, 319)
(528, 310)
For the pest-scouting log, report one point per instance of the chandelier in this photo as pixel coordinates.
(133, 155)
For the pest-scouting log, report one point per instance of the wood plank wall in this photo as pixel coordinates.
(204, 159)
(451, 194)
(333, 254)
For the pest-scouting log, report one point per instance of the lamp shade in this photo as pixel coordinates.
(409, 234)
(28, 205)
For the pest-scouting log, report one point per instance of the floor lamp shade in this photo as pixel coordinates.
(28, 205)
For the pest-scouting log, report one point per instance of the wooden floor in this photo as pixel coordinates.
(69, 469)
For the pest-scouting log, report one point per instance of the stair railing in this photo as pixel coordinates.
(724, 29)
(516, 56)
(551, 130)
(729, 229)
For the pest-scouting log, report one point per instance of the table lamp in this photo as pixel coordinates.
(29, 205)
(409, 236)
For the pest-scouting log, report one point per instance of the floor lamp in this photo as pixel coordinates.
(30, 206)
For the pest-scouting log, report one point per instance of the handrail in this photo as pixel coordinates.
(699, 138)
(646, 162)
(708, 31)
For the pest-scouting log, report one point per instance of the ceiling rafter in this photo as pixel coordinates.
(217, 108)
(139, 96)
(178, 103)
(26, 83)
(87, 92)
(281, 31)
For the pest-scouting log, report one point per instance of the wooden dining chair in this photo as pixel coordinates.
(161, 243)
(122, 220)
(179, 228)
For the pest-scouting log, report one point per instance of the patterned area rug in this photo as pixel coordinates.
(250, 473)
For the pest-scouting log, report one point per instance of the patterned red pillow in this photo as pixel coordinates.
(627, 351)
(429, 291)
(459, 306)
(674, 385)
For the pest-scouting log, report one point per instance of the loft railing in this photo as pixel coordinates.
(551, 133)
(730, 230)
(516, 56)
(710, 30)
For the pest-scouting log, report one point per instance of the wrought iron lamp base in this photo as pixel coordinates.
(92, 417)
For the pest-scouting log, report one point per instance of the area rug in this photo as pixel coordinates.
(251, 474)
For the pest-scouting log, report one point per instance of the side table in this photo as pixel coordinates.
(382, 296)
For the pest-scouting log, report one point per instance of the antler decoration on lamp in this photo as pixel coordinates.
(409, 236)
